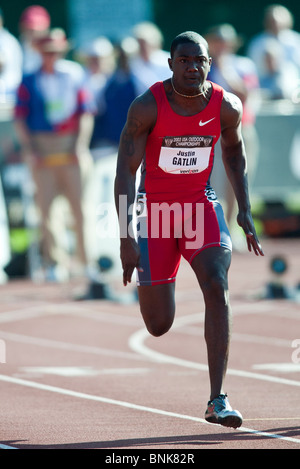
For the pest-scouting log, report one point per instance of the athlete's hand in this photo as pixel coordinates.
(245, 221)
(130, 258)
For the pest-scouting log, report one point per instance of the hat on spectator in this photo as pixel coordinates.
(148, 32)
(225, 33)
(35, 17)
(54, 41)
(100, 47)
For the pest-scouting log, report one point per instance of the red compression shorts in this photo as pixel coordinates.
(167, 231)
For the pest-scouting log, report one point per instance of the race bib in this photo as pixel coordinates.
(185, 154)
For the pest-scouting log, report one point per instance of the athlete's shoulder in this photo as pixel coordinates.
(232, 102)
(231, 109)
(229, 100)
(143, 109)
(144, 101)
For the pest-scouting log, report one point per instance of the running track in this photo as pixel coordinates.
(86, 375)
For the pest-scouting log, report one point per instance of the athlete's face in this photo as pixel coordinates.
(190, 65)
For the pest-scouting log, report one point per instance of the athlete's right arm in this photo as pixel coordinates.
(140, 121)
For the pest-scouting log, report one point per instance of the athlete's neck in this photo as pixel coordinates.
(186, 95)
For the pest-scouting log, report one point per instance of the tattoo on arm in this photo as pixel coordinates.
(130, 131)
(233, 164)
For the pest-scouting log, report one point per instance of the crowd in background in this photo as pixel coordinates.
(116, 73)
(270, 63)
(70, 103)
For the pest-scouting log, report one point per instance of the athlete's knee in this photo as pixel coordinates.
(215, 288)
(157, 322)
(157, 306)
(157, 330)
(158, 326)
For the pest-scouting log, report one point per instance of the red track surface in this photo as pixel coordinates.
(82, 375)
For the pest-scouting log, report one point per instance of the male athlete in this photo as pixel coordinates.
(172, 130)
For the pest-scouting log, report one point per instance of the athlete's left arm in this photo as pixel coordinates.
(235, 163)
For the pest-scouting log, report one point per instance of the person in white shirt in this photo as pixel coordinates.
(151, 63)
(10, 64)
(276, 53)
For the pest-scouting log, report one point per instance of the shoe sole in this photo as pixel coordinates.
(232, 421)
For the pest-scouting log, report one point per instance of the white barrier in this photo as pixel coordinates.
(102, 231)
(277, 175)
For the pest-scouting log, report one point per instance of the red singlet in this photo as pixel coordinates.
(177, 210)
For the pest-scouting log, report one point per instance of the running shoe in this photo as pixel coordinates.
(220, 411)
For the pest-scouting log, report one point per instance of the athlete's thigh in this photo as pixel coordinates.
(159, 254)
(157, 304)
(204, 228)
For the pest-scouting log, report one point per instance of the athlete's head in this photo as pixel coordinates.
(189, 62)
(188, 37)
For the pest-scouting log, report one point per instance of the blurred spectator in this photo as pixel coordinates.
(10, 64)
(276, 53)
(236, 74)
(115, 98)
(151, 64)
(279, 81)
(98, 61)
(49, 117)
(34, 23)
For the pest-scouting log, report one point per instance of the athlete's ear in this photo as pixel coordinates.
(170, 63)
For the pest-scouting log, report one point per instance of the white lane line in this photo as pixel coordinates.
(77, 371)
(198, 331)
(24, 313)
(20, 338)
(289, 367)
(142, 353)
(137, 344)
(71, 309)
(187, 326)
(110, 317)
(130, 405)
